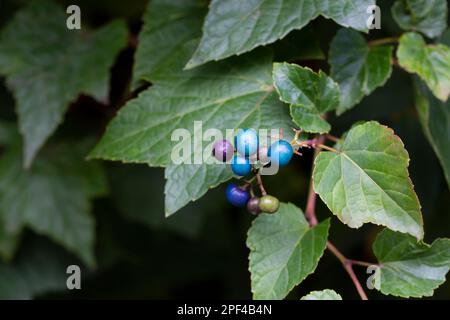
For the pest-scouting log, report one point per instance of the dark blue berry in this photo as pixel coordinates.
(241, 166)
(237, 196)
(280, 153)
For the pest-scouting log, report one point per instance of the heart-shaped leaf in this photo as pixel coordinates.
(367, 180)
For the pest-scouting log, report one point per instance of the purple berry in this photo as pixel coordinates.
(223, 150)
(253, 206)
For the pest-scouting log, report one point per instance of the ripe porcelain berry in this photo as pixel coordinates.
(241, 166)
(269, 204)
(246, 142)
(280, 152)
(223, 150)
(237, 196)
(253, 206)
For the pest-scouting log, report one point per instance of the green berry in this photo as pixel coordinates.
(269, 204)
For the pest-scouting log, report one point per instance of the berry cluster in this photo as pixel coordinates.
(249, 151)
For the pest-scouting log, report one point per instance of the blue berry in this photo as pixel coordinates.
(246, 142)
(280, 152)
(237, 196)
(241, 166)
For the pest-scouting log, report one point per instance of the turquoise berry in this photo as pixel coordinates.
(237, 196)
(280, 152)
(241, 166)
(246, 142)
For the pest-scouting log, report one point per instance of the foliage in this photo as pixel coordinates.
(233, 64)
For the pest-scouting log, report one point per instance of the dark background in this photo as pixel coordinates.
(200, 252)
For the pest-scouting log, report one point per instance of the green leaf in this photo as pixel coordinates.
(187, 183)
(8, 132)
(137, 191)
(284, 250)
(234, 27)
(158, 55)
(426, 16)
(326, 294)
(367, 181)
(430, 62)
(9, 241)
(40, 268)
(233, 94)
(434, 116)
(409, 268)
(52, 197)
(310, 95)
(49, 72)
(358, 71)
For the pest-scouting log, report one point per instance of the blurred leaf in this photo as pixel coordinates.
(234, 27)
(41, 268)
(409, 268)
(359, 70)
(52, 197)
(367, 180)
(49, 72)
(310, 95)
(166, 38)
(326, 294)
(430, 62)
(435, 118)
(8, 133)
(426, 16)
(9, 241)
(284, 250)
(138, 192)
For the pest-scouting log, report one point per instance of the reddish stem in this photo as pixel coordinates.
(310, 213)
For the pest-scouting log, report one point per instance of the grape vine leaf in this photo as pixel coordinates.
(309, 94)
(236, 93)
(326, 294)
(408, 268)
(426, 16)
(430, 62)
(358, 71)
(49, 72)
(284, 250)
(434, 116)
(367, 180)
(52, 197)
(158, 55)
(234, 27)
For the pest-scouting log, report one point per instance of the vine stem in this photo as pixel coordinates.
(260, 184)
(310, 213)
